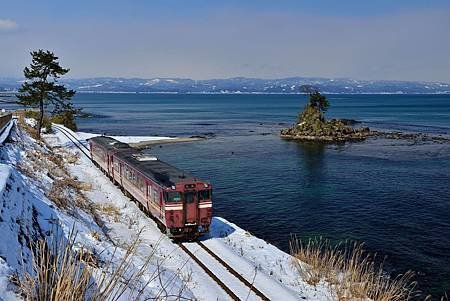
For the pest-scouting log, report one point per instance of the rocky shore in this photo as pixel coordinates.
(331, 131)
(340, 130)
(312, 126)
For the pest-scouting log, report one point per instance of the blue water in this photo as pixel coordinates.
(392, 195)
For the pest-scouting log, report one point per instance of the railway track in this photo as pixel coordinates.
(80, 145)
(233, 283)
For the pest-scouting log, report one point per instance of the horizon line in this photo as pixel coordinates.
(237, 77)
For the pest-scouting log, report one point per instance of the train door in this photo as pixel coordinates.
(120, 173)
(112, 167)
(191, 207)
(110, 164)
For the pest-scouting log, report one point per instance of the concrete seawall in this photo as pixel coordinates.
(4, 119)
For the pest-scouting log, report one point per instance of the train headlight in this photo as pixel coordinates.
(206, 185)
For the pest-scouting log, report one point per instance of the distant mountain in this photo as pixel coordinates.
(242, 85)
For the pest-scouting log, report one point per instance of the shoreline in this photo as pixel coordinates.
(232, 93)
(139, 142)
(145, 144)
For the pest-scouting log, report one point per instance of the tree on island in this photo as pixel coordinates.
(316, 107)
(311, 124)
(317, 100)
(41, 87)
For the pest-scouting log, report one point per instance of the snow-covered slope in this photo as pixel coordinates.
(27, 176)
(241, 85)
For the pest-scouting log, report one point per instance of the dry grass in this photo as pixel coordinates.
(30, 130)
(67, 193)
(57, 272)
(56, 159)
(351, 273)
(62, 271)
(96, 235)
(85, 186)
(110, 210)
(72, 159)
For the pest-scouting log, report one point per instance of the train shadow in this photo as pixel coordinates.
(219, 229)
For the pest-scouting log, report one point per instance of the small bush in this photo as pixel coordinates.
(349, 270)
(46, 123)
(65, 118)
(110, 210)
(61, 270)
(32, 114)
(72, 159)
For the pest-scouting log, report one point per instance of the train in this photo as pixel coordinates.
(179, 202)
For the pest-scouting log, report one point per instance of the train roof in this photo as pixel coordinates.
(150, 166)
(157, 170)
(110, 143)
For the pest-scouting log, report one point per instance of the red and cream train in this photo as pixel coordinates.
(180, 203)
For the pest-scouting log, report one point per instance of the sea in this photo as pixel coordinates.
(391, 195)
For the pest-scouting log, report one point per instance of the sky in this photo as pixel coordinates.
(203, 39)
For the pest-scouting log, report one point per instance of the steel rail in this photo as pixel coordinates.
(210, 273)
(65, 133)
(227, 267)
(233, 271)
(70, 134)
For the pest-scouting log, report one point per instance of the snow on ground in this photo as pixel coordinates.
(28, 213)
(242, 250)
(125, 139)
(5, 131)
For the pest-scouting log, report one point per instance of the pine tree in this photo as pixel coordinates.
(316, 99)
(41, 87)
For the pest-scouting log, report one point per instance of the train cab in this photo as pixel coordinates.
(188, 208)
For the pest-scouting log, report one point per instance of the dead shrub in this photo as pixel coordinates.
(110, 210)
(62, 271)
(56, 159)
(59, 197)
(349, 270)
(85, 186)
(96, 235)
(72, 159)
(67, 193)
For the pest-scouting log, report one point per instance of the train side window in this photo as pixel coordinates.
(149, 192)
(173, 197)
(189, 197)
(155, 196)
(204, 195)
(141, 185)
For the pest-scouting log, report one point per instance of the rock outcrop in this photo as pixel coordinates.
(312, 126)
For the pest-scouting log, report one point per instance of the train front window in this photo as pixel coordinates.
(204, 195)
(173, 196)
(189, 197)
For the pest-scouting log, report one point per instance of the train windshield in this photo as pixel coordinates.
(173, 196)
(204, 195)
(189, 197)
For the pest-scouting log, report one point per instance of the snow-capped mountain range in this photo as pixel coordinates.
(242, 85)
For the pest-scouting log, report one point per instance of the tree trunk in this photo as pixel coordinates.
(41, 119)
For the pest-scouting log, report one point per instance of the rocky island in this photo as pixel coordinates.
(312, 125)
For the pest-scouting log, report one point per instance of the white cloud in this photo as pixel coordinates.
(7, 25)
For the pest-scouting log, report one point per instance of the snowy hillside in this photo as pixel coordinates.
(52, 185)
(242, 85)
